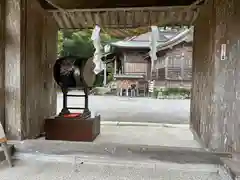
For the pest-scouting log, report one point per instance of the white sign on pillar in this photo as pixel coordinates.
(223, 52)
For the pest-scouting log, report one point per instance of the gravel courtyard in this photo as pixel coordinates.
(112, 108)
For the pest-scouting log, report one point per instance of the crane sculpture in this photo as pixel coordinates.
(73, 73)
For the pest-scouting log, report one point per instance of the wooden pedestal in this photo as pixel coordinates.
(72, 129)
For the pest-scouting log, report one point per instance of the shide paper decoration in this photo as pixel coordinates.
(153, 45)
(98, 50)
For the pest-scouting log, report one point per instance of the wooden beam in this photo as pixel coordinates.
(124, 18)
(166, 8)
(2, 60)
(73, 21)
(80, 19)
(89, 19)
(70, 4)
(105, 17)
(66, 21)
(58, 19)
(98, 19)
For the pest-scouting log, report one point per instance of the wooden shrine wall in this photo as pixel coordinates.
(215, 114)
(2, 60)
(40, 55)
(31, 46)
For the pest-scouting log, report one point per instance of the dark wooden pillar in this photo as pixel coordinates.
(227, 77)
(216, 81)
(30, 52)
(203, 72)
(2, 61)
(13, 73)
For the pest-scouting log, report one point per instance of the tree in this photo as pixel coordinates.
(79, 43)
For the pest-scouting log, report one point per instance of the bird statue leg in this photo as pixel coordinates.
(64, 109)
(86, 111)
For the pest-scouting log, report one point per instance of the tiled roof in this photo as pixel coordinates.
(142, 41)
(145, 37)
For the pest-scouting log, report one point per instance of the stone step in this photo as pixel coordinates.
(171, 154)
(155, 168)
(90, 168)
(191, 161)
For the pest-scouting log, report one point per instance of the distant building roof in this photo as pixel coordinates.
(142, 41)
(145, 37)
(132, 44)
(185, 35)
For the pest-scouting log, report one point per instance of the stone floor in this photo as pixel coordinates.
(140, 139)
(123, 152)
(157, 135)
(44, 170)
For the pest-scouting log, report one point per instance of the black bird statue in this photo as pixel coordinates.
(67, 72)
(73, 72)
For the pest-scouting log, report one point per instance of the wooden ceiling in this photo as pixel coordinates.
(121, 15)
(124, 17)
(94, 4)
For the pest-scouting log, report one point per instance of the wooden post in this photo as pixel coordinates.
(121, 91)
(124, 61)
(105, 75)
(166, 67)
(182, 68)
(115, 66)
(166, 70)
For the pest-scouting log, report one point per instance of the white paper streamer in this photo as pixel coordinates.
(153, 44)
(98, 53)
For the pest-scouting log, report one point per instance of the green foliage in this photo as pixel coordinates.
(79, 43)
(110, 77)
(99, 80)
(175, 91)
(155, 92)
(60, 43)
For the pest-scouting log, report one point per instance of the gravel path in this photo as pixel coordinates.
(125, 109)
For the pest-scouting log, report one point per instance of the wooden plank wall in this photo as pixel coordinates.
(13, 84)
(203, 76)
(2, 60)
(216, 83)
(135, 63)
(225, 134)
(41, 48)
(31, 46)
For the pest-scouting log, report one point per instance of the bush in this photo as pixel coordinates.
(155, 92)
(174, 92)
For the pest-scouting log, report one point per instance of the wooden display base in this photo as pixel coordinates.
(72, 129)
